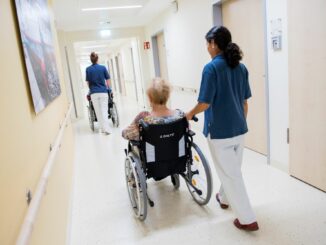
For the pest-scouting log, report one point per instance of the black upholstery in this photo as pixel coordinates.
(165, 148)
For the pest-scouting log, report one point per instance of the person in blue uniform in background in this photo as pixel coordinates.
(98, 80)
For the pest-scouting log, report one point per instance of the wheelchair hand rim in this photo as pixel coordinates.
(196, 179)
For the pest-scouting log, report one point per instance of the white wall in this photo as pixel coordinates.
(278, 86)
(184, 33)
(134, 82)
(186, 52)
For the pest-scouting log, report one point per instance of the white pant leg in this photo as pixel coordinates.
(101, 110)
(227, 155)
(104, 104)
(221, 192)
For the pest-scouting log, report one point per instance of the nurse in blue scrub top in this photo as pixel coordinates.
(223, 96)
(98, 80)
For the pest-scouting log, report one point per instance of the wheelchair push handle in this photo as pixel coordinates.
(194, 118)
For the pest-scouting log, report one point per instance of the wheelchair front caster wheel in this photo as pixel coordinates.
(175, 179)
(151, 203)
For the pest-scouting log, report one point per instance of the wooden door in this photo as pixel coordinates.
(307, 86)
(245, 20)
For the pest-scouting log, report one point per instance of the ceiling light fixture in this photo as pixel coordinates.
(95, 46)
(112, 8)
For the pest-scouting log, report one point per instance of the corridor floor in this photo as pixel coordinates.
(288, 211)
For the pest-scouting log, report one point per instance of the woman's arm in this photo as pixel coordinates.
(132, 131)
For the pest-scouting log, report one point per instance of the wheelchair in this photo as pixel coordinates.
(165, 150)
(112, 111)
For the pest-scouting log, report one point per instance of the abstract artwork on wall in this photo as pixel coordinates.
(38, 44)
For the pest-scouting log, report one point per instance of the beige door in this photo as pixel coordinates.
(162, 56)
(307, 81)
(245, 20)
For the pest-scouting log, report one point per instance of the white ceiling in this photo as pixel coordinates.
(70, 17)
(101, 47)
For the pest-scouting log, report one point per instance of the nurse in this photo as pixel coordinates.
(98, 80)
(223, 95)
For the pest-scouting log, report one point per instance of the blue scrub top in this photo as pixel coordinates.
(97, 75)
(225, 89)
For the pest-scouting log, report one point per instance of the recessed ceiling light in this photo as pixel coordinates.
(95, 46)
(112, 8)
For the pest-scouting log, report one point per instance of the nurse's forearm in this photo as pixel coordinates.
(200, 107)
(108, 83)
(245, 108)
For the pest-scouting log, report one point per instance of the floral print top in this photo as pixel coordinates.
(132, 131)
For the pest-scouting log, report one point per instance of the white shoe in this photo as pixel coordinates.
(103, 132)
(106, 133)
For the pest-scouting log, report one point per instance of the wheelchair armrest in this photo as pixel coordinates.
(191, 133)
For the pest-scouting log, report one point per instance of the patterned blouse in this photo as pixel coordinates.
(132, 131)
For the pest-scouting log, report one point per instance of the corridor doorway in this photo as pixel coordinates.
(159, 55)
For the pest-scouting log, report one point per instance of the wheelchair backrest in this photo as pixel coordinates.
(164, 142)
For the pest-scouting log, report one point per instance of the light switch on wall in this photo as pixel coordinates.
(277, 42)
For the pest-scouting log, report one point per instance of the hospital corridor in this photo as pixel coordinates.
(140, 122)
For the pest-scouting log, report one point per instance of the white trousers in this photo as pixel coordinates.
(100, 102)
(227, 157)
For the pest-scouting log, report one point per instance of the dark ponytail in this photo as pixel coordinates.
(233, 54)
(223, 39)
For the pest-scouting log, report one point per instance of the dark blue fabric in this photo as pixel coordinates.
(96, 76)
(225, 89)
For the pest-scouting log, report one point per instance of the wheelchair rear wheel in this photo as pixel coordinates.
(199, 178)
(91, 116)
(136, 185)
(114, 115)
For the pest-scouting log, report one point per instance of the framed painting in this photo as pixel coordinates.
(34, 21)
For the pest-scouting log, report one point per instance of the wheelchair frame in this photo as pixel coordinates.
(136, 175)
(112, 112)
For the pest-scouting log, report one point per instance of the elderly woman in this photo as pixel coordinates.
(158, 94)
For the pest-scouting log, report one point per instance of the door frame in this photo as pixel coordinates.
(156, 57)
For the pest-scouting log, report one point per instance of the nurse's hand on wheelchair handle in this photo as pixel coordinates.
(190, 116)
(194, 118)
